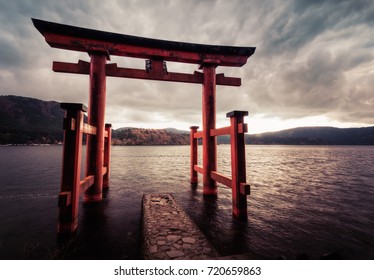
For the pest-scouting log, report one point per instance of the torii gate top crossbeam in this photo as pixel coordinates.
(83, 39)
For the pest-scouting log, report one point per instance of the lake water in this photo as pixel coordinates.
(306, 201)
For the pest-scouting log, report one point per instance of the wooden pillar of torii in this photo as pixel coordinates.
(209, 122)
(96, 117)
(103, 45)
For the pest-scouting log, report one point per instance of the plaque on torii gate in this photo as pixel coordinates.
(102, 45)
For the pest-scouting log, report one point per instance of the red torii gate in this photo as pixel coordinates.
(101, 46)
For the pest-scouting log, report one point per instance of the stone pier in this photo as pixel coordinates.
(168, 232)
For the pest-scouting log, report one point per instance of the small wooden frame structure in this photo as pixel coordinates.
(102, 45)
(237, 182)
(71, 184)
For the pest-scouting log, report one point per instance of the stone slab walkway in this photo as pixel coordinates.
(169, 233)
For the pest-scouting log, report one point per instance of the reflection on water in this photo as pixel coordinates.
(306, 201)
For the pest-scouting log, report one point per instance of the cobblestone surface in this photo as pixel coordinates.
(169, 233)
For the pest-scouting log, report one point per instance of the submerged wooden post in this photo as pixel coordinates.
(193, 155)
(209, 122)
(71, 168)
(96, 114)
(240, 189)
(107, 147)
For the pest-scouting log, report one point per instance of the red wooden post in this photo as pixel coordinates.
(209, 122)
(238, 171)
(71, 168)
(193, 155)
(96, 114)
(108, 129)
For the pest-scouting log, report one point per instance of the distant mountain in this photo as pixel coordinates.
(142, 136)
(26, 120)
(176, 131)
(123, 128)
(315, 136)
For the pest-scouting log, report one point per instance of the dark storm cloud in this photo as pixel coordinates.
(313, 51)
(302, 21)
(312, 57)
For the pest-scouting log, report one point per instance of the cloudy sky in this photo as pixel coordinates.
(313, 65)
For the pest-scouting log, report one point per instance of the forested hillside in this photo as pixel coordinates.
(25, 120)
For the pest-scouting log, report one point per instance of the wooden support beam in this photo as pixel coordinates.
(196, 77)
(193, 155)
(64, 199)
(112, 70)
(198, 134)
(220, 131)
(105, 169)
(220, 178)
(242, 128)
(221, 80)
(245, 189)
(107, 152)
(86, 183)
(82, 67)
(198, 169)
(89, 129)
(69, 124)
